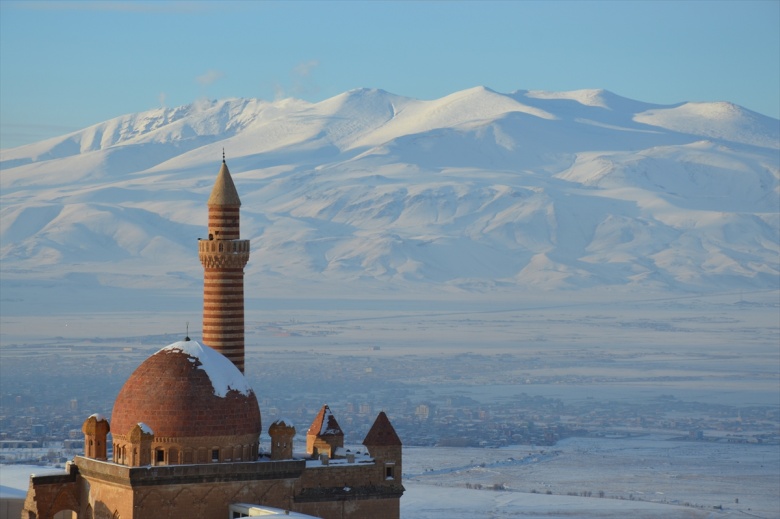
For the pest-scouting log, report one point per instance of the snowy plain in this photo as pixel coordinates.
(716, 350)
(646, 477)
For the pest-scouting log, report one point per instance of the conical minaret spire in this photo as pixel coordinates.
(224, 256)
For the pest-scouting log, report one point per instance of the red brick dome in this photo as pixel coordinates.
(187, 390)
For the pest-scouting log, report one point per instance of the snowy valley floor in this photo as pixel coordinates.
(645, 477)
(655, 369)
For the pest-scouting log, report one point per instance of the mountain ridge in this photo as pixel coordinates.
(475, 192)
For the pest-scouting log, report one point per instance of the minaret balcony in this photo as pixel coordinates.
(223, 253)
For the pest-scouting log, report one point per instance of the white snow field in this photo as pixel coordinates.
(370, 194)
(645, 477)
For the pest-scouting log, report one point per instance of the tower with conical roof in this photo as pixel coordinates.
(385, 447)
(325, 435)
(223, 256)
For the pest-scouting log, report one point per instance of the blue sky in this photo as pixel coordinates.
(65, 65)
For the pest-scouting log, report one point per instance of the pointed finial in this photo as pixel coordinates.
(187, 336)
(223, 155)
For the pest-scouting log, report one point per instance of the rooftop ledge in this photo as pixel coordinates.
(182, 474)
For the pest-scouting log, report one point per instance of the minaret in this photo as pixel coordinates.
(224, 256)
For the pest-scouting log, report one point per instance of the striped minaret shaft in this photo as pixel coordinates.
(224, 256)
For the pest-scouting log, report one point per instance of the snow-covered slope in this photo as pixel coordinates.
(371, 194)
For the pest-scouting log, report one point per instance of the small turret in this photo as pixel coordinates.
(385, 446)
(281, 433)
(325, 435)
(95, 431)
(140, 443)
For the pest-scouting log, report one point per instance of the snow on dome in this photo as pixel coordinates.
(145, 428)
(224, 375)
(187, 390)
(98, 417)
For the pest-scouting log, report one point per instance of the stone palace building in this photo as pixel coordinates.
(185, 428)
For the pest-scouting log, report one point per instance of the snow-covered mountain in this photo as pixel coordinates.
(370, 194)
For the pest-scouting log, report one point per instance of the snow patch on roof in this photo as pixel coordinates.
(329, 424)
(224, 375)
(145, 428)
(99, 417)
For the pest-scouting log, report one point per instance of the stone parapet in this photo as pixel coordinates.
(189, 474)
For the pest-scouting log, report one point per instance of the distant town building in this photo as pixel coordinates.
(422, 412)
(38, 429)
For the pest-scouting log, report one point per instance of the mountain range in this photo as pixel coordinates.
(371, 195)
